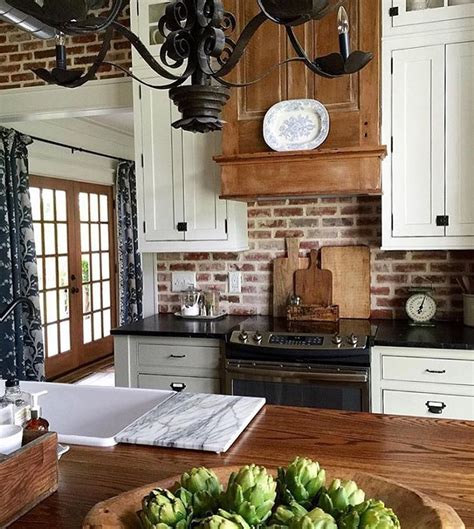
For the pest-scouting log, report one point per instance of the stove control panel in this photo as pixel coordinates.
(284, 340)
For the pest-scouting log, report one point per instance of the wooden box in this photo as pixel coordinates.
(313, 313)
(28, 476)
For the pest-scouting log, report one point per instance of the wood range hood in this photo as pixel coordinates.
(350, 161)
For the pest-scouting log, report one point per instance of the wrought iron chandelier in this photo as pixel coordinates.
(198, 46)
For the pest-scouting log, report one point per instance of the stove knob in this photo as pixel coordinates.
(352, 340)
(258, 337)
(243, 336)
(337, 340)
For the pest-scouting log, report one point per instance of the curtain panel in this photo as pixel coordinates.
(21, 338)
(130, 263)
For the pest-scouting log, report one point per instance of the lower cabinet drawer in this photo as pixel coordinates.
(190, 384)
(435, 406)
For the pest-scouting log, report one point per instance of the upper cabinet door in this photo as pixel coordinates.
(422, 12)
(163, 187)
(460, 138)
(418, 141)
(206, 214)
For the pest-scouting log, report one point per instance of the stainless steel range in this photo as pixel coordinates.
(302, 366)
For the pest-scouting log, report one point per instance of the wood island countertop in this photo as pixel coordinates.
(434, 456)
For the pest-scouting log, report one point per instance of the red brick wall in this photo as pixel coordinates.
(19, 52)
(321, 222)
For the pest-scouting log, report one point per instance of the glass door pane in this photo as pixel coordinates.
(416, 5)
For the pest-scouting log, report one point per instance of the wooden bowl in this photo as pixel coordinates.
(415, 510)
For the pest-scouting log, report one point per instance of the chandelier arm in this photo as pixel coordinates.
(178, 82)
(75, 28)
(242, 43)
(146, 55)
(229, 84)
(304, 57)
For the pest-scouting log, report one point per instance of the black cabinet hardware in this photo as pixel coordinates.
(435, 407)
(433, 372)
(177, 356)
(177, 386)
(442, 220)
(393, 12)
(182, 226)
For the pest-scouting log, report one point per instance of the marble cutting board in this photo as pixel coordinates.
(194, 421)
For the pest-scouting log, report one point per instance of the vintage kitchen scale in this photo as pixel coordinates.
(421, 306)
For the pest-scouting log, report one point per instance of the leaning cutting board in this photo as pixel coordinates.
(314, 285)
(284, 269)
(350, 267)
(415, 510)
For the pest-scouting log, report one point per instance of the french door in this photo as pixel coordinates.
(75, 245)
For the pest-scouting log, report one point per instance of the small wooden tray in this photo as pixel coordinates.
(313, 313)
(415, 510)
(28, 476)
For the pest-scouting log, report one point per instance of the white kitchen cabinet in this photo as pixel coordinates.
(168, 362)
(435, 383)
(178, 182)
(428, 119)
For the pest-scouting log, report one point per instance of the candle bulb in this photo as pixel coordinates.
(343, 30)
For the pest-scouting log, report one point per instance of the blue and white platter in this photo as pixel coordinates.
(296, 125)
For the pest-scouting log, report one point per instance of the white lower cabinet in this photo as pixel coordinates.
(433, 383)
(180, 364)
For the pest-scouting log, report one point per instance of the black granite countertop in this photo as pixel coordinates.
(170, 325)
(444, 335)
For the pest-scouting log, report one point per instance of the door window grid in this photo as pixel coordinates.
(95, 260)
(49, 209)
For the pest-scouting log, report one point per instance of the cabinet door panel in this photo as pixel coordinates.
(418, 138)
(460, 138)
(205, 212)
(163, 171)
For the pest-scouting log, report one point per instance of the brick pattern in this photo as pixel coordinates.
(20, 52)
(320, 222)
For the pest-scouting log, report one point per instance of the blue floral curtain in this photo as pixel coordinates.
(21, 339)
(130, 263)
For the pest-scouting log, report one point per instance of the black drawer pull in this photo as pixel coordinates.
(177, 386)
(436, 407)
(433, 372)
(177, 356)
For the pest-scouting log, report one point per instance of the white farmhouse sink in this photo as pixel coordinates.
(92, 415)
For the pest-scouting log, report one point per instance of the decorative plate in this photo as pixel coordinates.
(296, 125)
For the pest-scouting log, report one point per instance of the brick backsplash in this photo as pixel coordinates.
(20, 52)
(319, 222)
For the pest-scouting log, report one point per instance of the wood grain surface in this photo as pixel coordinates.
(350, 267)
(313, 285)
(433, 456)
(415, 510)
(284, 269)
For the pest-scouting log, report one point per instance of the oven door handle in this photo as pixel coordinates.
(321, 376)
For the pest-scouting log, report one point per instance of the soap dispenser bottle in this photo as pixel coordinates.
(20, 400)
(37, 423)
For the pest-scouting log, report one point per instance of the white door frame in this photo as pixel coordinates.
(100, 97)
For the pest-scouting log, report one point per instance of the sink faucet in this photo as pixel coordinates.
(11, 307)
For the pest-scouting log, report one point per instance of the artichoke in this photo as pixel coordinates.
(369, 515)
(251, 493)
(163, 510)
(301, 481)
(223, 520)
(284, 513)
(200, 490)
(340, 495)
(315, 519)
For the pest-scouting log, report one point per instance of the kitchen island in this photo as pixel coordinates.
(436, 457)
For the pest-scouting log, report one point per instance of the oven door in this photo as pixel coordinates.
(338, 388)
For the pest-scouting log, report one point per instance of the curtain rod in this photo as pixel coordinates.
(78, 149)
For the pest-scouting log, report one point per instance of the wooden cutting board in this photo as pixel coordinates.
(284, 269)
(350, 267)
(415, 510)
(314, 285)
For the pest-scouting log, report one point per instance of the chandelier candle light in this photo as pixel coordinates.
(198, 42)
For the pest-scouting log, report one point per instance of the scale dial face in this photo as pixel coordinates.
(421, 308)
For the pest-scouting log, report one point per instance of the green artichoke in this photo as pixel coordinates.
(251, 493)
(301, 481)
(200, 490)
(371, 514)
(163, 510)
(284, 513)
(315, 519)
(340, 495)
(223, 520)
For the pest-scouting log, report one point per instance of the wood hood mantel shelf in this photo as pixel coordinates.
(328, 172)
